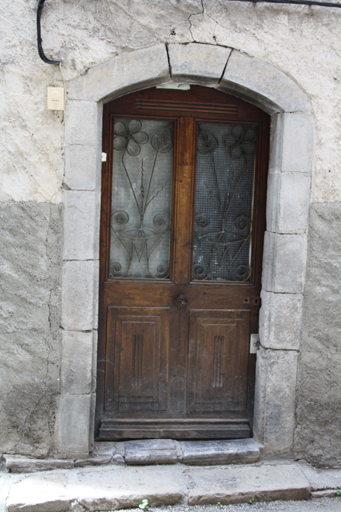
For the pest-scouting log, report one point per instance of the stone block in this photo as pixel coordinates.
(260, 398)
(77, 360)
(288, 202)
(83, 123)
(79, 217)
(82, 167)
(241, 484)
(189, 62)
(20, 464)
(96, 460)
(92, 417)
(235, 451)
(263, 84)
(280, 320)
(104, 448)
(276, 143)
(275, 399)
(97, 223)
(321, 479)
(120, 75)
(73, 424)
(150, 451)
(94, 361)
(284, 262)
(96, 294)
(125, 487)
(77, 295)
(39, 493)
(298, 143)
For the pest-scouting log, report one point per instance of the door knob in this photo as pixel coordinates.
(181, 301)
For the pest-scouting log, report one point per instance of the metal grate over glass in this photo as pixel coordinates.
(223, 202)
(141, 199)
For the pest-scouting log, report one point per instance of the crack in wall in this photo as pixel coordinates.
(195, 14)
(169, 62)
(224, 69)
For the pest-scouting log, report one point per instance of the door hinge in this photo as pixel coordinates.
(104, 157)
(254, 343)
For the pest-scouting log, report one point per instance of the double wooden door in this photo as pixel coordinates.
(182, 223)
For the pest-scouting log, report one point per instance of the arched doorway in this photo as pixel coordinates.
(182, 228)
(284, 259)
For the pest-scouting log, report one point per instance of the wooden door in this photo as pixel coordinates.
(182, 224)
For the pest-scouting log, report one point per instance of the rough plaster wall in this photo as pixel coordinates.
(301, 41)
(318, 432)
(30, 266)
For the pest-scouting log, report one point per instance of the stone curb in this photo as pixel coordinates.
(115, 487)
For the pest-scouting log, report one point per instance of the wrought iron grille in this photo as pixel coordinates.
(223, 202)
(141, 199)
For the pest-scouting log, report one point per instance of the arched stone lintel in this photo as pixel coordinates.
(290, 167)
(230, 70)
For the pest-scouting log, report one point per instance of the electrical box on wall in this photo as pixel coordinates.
(55, 98)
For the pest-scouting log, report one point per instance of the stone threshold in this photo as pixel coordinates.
(116, 487)
(147, 452)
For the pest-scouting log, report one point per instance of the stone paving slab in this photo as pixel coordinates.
(234, 451)
(114, 487)
(322, 479)
(237, 484)
(96, 489)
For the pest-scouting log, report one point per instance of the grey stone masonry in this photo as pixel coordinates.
(267, 87)
(236, 451)
(141, 69)
(151, 451)
(192, 62)
(275, 394)
(287, 214)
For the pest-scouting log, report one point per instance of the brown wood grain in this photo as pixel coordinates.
(169, 372)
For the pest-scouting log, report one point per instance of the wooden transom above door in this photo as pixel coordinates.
(182, 225)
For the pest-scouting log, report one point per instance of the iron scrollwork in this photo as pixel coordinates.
(141, 236)
(222, 235)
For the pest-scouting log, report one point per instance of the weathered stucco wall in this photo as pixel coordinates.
(303, 42)
(300, 41)
(30, 263)
(318, 432)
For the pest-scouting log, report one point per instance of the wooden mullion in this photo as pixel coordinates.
(183, 200)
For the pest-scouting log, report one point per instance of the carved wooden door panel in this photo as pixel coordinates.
(182, 224)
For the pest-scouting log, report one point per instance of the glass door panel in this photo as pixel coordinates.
(141, 199)
(224, 202)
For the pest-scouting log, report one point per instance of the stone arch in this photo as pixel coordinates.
(284, 258)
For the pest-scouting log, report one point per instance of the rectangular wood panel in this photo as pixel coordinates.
(137, 343)
(217, 365)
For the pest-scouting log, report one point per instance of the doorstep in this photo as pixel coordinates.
(115, 487)
(147, 452)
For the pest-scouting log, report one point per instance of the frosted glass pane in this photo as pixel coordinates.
(223, 202)
(141, 198)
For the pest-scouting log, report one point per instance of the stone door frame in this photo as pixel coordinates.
(285, 248)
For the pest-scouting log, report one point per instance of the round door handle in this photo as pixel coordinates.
(181, 301)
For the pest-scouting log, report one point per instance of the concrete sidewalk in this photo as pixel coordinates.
(108, 488)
